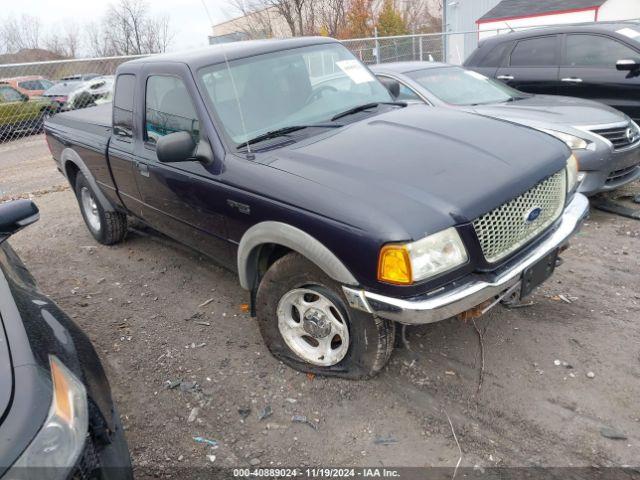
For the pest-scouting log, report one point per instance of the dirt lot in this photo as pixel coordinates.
(141, 304)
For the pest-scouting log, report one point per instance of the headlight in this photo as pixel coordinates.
(573, 142)
(412, 262)
(58, 444)
(572, 173)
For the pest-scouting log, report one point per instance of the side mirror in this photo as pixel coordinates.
(176, 147)
(25, 98)
(16, 215)
(392, 85)
(627, 65)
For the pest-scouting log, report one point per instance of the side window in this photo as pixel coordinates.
(10, 94)
(123, 106)
(535, 52)
(406, 94)
(169, 109)
(495, 56)
(595, 51)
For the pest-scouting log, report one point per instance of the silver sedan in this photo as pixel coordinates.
(605, 141)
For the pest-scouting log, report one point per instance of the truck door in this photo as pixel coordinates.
(182, 199)
(121, 145)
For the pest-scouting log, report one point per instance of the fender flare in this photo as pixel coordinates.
(70, 155)
(291, 237)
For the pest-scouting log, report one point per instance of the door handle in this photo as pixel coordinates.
(505, 77)
(571, 80)
(142, 169)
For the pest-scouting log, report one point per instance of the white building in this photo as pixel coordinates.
(519, 14)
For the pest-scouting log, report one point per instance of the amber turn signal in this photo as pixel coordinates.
(394, 265)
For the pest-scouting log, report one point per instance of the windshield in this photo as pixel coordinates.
(458, 86)
(304, 86)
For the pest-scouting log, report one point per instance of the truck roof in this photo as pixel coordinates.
(233, 51)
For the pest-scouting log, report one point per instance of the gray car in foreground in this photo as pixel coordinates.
(605, 141)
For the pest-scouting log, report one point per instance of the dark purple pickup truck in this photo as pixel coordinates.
(342, 211)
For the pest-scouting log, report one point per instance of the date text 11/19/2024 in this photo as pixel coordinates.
(316, 472)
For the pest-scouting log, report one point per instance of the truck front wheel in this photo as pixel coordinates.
(106, 227)
(306, 323)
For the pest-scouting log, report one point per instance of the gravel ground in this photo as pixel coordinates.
(160, 314)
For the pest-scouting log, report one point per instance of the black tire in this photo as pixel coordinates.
(112, 226)
(371, 339)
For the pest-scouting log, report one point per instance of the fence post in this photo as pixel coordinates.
(377, 44)
(421, 38)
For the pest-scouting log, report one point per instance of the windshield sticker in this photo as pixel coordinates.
(473, 74)
(628, 32)
(356, 71)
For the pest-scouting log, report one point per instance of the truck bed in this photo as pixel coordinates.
(92, 120)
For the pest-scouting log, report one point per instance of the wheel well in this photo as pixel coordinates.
(266, 256)
(72, 172)
(261, 258)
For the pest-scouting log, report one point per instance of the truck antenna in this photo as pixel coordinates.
(250, 154)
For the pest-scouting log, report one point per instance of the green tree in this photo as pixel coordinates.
(390, 21)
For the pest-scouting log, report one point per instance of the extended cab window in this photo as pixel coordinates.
(123, 106)
(9, 94)
(596, 51)
(169, 109)
(535, 52)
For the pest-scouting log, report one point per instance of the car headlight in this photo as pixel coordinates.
(573, 142)
(57, 446)
(404, 264)
(572, 173)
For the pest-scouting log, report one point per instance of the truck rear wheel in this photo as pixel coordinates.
(306, 323)
(106, 227)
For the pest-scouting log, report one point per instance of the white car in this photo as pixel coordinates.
(93, 92)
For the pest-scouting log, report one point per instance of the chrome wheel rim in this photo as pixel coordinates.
(90, 209)
(312, 327)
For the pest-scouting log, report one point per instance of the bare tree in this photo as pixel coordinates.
(67, 43)
(23, 33)
(293, 12)
(157, 34)
(128, 28)
(98, 42)
(333, 16)
(258, 18)
(421, 16)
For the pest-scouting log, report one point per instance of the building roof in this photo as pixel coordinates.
(526, 8)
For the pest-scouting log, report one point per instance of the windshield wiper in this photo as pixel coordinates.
(366, 106)
(284, 131)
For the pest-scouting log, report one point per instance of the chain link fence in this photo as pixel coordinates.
(31, 92)
(429, 47)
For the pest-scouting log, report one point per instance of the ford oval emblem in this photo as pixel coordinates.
(532, 215)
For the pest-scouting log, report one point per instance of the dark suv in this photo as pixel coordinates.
(598, 61)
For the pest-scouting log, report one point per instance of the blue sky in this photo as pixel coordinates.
(188, 17)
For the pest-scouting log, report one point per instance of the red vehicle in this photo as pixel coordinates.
(32, 85)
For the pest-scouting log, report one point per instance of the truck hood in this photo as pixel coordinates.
(424, 168)
(551, 109)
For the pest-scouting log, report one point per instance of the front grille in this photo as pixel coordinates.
(505, 229)
(621, 137)
(619, 175)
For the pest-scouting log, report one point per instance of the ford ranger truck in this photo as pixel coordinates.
(343, 212)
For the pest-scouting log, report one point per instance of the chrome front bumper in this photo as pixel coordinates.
(441, 305)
